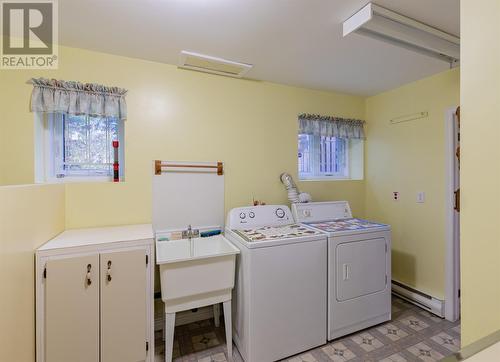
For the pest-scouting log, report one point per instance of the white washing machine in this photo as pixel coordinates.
(359, 266)
(279, 298)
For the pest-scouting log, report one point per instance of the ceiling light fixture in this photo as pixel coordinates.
(386, 25)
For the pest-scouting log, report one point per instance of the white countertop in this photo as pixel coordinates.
(92, 236)
(173, 251)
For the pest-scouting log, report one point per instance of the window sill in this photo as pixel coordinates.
(91, 179)
(322, 179)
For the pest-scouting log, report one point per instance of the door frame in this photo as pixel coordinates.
(452, 272)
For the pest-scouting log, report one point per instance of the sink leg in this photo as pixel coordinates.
(229, 329)
(169, 338)
(217, 314)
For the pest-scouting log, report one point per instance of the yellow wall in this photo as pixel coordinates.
(252, 127)
(179, 115)
(480, 169)
(410, 157)
(29, 216)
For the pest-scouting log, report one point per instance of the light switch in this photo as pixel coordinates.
(420, 197)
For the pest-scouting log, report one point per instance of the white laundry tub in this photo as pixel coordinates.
(193, 274)
(195, 270)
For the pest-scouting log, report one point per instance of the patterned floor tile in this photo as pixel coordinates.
(430, 316)
(392, 332)
(412, 335)
(425, 353)
(403, 303)
(395, 309)
(396, 357)
(367, 341)
(199, 324)
(338, 352)
(219, 357)
(447, 341)
(204, 341)
(414, 323)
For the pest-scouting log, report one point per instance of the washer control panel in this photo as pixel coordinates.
(257, 216)
(321, 211)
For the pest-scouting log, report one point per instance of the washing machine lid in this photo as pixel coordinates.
(349, 225)
(270, 233)
(321, 211)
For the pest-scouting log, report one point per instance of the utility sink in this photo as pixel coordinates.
(195, 272)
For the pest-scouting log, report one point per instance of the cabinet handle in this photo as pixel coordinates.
(89, 274)
(108, 273)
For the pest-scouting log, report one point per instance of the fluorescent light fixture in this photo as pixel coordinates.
(386, 25)
(213, 65)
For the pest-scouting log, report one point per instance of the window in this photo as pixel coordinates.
(323, 158)
(80, 147)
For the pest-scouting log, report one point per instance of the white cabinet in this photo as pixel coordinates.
(123, 306)
(72, 309)
(94, 290)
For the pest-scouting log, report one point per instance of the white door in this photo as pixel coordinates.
(457, 214)
(123, 306)
(72, 309)
(361, 268)
(452, 287)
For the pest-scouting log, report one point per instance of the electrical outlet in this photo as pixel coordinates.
(395, 195)
(420, 197)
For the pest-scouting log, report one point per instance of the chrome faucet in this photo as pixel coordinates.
(190, 233)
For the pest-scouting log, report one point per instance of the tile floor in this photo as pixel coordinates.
(412, 335)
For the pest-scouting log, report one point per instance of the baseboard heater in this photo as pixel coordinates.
(425, 301)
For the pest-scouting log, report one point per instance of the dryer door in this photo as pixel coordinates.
(361, 268)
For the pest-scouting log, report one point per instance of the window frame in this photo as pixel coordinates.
(50, 138)
(316, 174)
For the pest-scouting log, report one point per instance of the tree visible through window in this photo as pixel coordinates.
(82, 145)
(322, 157)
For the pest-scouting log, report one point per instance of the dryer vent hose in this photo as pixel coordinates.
(291, 188)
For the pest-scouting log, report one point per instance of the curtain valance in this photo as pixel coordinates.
(75, 98)
(331, 126)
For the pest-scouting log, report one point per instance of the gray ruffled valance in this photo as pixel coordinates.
(331, 126)
(75, 98)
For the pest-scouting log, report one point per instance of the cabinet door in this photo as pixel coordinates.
(123, 306)
(72, 309)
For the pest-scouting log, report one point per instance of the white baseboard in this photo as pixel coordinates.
(425, 301)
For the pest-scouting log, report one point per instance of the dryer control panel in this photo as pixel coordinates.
(257, 216)
(321, 211)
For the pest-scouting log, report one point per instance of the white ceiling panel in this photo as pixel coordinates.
(296, 42)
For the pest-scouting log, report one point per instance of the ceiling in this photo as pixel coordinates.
(296, 42)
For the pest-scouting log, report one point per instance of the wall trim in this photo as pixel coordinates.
(452, 224)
